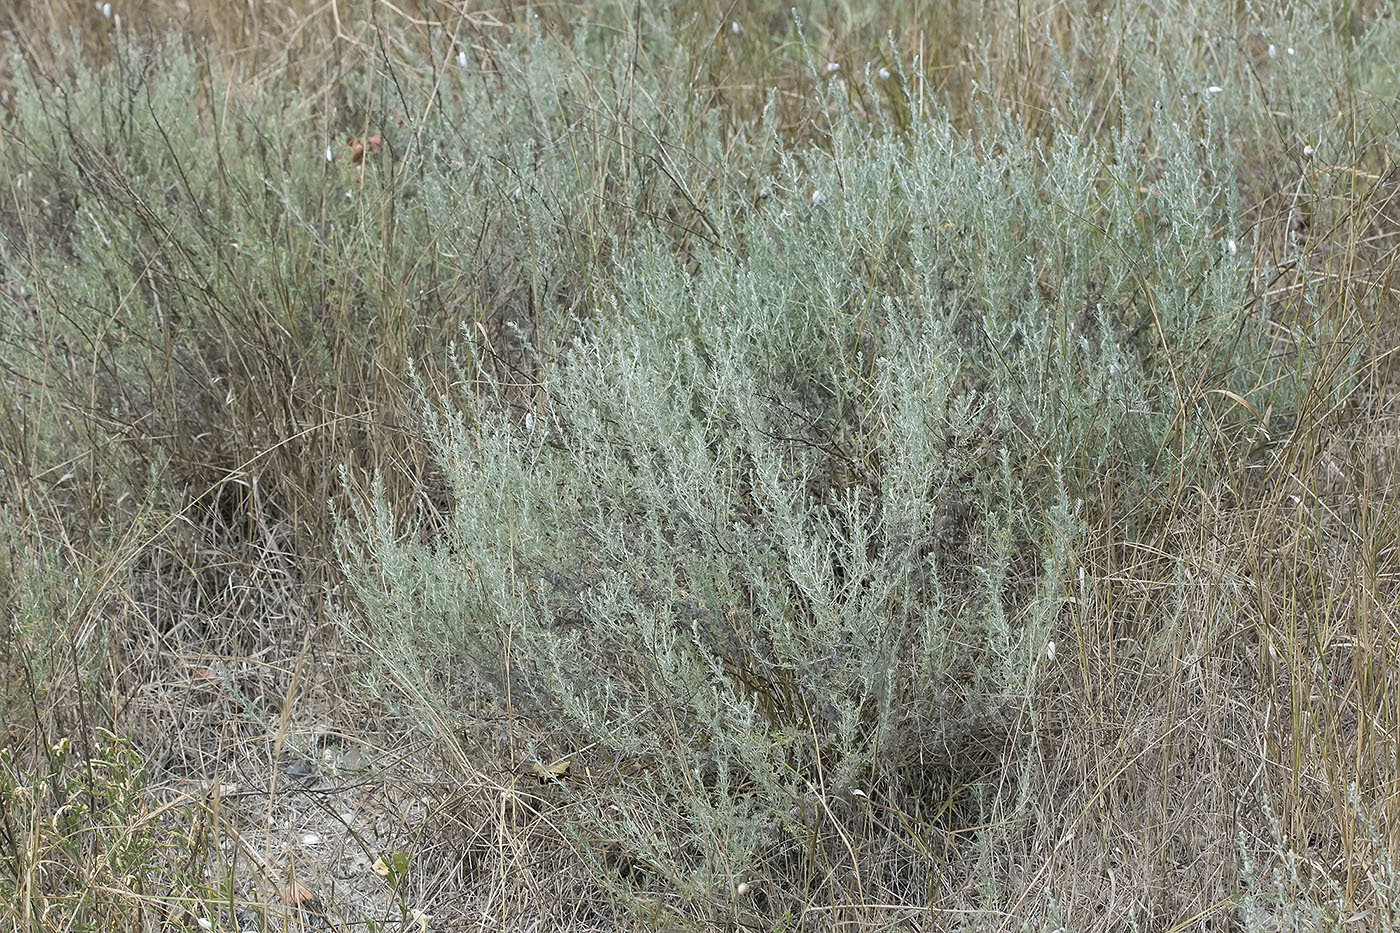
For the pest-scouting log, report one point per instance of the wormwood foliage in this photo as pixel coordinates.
(793, 415)
(212, 266)
(801, 510)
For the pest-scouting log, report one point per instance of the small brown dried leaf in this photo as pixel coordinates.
(297, 893)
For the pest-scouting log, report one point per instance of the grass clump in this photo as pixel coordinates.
(85, 847)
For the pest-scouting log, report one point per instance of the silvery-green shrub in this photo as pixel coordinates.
(792, 511)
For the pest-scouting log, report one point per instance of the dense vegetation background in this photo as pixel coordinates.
(695, 466)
